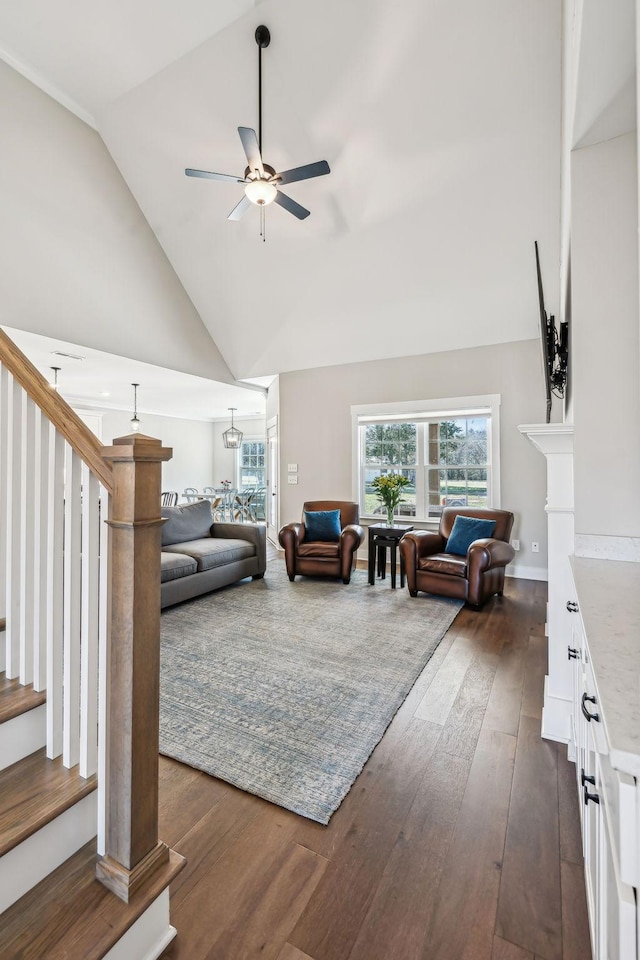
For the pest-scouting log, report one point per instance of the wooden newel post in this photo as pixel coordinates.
(133, 851)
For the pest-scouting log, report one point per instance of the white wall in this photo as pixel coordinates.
(605, 340)
(200, 458)
(315, 424)
(79, 261)
(193, 443)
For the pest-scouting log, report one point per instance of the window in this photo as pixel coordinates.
(251, 461)
(447, 454)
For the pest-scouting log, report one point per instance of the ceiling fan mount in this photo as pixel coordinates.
(263, 37)
(262, 183)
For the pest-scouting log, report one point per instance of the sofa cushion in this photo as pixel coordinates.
(189, 521)
(444, 563)
(465, 531)
(176, 565)
(318, 549)
(209, 552)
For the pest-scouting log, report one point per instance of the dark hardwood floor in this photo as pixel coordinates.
(459, 840)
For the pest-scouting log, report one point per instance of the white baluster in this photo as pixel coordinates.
(89, 624)
(27, 525)
(41, 504)
(14, 538)
(72, 580)
(54, 602)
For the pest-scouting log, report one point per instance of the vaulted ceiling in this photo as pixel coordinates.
(441, 124)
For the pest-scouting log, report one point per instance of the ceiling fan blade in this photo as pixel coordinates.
(226, 177)
(240, 208)
(300, 212)
(310, 170)
(251, 148)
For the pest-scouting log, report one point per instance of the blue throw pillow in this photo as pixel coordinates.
(322, 525)
(465, 531)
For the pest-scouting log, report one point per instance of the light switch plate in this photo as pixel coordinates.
(292, 467)
(292, 479)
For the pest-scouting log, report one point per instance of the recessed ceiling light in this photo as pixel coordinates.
(69, 356)
(105, 393)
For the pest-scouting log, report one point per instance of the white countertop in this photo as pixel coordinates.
(609, 601)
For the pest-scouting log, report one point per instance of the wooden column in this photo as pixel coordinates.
(132, 849)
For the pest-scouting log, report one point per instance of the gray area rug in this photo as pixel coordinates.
(284, 689)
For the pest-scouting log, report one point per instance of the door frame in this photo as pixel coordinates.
(272, 511)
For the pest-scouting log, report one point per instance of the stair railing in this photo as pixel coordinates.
(68, 531)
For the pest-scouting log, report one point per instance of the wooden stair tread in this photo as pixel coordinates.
(16, 699)
(71, 916)
(35, 791)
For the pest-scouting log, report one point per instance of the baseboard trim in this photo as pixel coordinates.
(556, 717)
(519, 572)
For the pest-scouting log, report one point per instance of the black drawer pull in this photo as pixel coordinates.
(594, 797)
(585, 779)
(572, 606)
(573, 653)
(585, 713)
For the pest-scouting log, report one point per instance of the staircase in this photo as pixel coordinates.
(82, 872)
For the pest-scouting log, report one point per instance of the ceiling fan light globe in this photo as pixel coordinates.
(261, 191)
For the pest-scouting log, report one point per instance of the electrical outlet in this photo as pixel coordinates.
(535, 547)
(515, 544)
(292, 467)
(293, 478)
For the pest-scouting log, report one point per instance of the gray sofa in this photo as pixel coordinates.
(199, 555)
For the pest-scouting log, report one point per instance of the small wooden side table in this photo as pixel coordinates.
(382, 536)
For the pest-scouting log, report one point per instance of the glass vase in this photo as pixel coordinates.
(389, 516)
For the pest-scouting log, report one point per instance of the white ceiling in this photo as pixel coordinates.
(441, 123)
(88, 54)
(103, 381)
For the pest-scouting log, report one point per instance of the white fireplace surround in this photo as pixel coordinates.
(555, 442)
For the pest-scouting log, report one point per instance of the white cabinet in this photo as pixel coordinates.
(609, 811)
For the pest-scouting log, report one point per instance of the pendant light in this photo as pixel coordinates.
(232, 437)
(136, 425)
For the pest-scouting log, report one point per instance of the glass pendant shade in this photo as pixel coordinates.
(136, 425)
(232, 437)
(260, 191)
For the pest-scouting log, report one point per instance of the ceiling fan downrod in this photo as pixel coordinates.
(263, 39)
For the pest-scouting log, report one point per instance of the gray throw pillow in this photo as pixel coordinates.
(189, 521)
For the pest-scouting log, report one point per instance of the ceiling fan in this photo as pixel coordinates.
(262, 183)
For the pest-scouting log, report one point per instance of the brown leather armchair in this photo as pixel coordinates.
(473, 578)
(319, 558)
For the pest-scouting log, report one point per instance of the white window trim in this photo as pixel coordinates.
(445, 406)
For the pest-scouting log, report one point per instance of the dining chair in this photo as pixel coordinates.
(169, 498)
